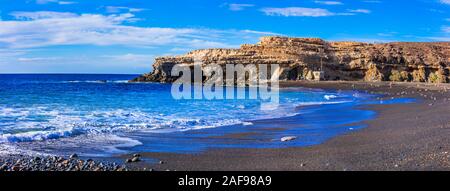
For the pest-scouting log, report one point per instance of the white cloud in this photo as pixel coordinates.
(309, 12)
(329, 2)
(26, 42)
(37, 59)
(366, 11)
(41, 15)
(445, 37)
(55, 1)
(178, 49)
(297, 12)
(445, 2)
(260, 33)
(135, 60)
(388, 34)
(436, 11)
(66, 2)
(446, 29)
(239, 7)
(72, 64)
(372, 1)
(118, 9)
(441, 38)
(41, 29)
(45, 1)
(130, 57)
(361, 39)
(11, 53)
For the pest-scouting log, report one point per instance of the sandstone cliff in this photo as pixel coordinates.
(298, 57)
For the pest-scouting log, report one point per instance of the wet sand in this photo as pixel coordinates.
(403, 137)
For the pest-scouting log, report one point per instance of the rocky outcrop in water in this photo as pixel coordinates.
(299, 57)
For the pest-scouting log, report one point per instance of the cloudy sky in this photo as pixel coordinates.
(123, 36)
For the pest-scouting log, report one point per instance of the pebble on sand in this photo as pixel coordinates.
(288, 138)
(73, 156)
(135, 158)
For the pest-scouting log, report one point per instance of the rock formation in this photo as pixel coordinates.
(299, 57)
(419, 75)
(373, 74)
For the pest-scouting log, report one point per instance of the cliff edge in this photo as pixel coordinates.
(300, 57)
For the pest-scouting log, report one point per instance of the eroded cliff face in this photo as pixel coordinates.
(299, 57)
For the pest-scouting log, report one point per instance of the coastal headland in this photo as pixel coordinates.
(316, 59)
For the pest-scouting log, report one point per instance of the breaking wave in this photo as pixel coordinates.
(45, 123)
(42, 113)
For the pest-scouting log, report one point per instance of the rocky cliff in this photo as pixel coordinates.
(299, 57)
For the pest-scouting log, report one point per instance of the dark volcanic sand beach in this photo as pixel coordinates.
(412, 136)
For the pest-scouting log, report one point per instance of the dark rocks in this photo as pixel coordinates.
(4, 167)
(122, 169)
(135, 158)
(16, 168)
(73, 156)
(53, 163)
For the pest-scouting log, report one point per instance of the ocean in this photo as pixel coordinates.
(104, 115)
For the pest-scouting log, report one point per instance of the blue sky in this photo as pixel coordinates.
(124, 36)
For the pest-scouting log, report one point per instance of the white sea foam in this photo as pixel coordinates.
(108, 143)
(321, 103)
(105, 118)
(7, 150)
(35, 136)
(70, 123)
(120, 81)
(84, 81)
(40, 123)
(247, 123)
(329, 97)
(240, 106)
(87, 145)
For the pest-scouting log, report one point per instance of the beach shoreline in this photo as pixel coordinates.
(402, 137)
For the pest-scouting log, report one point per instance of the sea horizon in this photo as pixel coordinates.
(37, 73)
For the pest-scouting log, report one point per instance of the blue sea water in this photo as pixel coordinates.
(103, 115)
